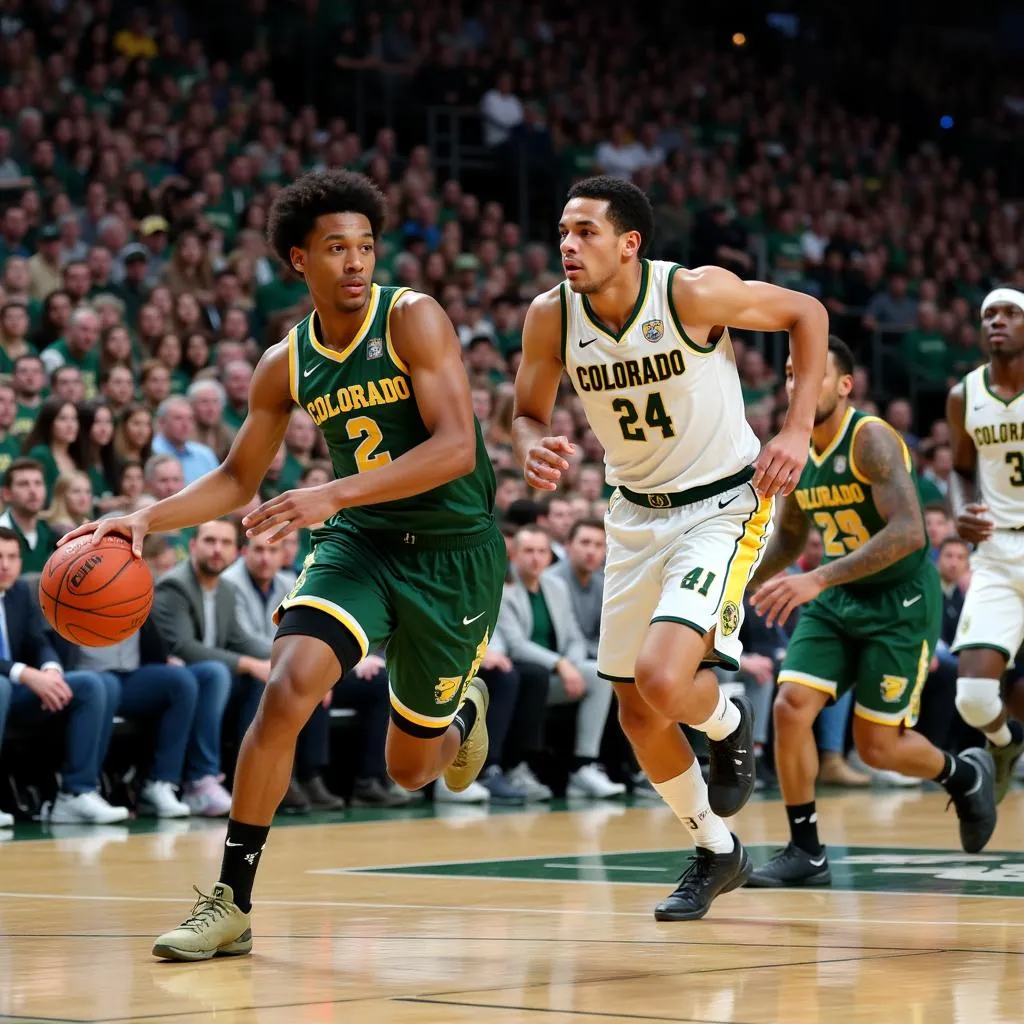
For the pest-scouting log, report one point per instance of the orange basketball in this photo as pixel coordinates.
(96, 595)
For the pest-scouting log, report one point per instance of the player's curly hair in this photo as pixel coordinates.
(295, 208)
(629, 209)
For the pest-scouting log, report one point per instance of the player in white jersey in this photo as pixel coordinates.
(986, 419)
(647, 348)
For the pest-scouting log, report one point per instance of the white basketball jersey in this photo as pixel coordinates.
(997, 429)
(668, 411)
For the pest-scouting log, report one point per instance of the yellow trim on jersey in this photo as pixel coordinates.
(293, 364)
(641, 301)
(395, 358)
(853, 445)
(748, 547)
(332, 609)
(806, 679)
(897, 718)
(834, 443)
(416, 718)
(340, 357)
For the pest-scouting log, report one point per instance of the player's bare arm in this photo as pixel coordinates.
(973, 523)
(425, 341)
(880, 458)
(540, 372)
(233, 483)
(786, 544)
(714, 297)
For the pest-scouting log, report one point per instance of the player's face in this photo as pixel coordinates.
(593, 252)
(338, 261)
(835, 388)
(1002, 328)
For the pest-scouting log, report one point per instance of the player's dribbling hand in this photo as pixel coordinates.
(776, 598)
(293, 510)
(134, 527)
(544, 465)
(781, 462)
(973, 524)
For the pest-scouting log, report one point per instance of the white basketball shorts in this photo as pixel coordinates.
(993, 613)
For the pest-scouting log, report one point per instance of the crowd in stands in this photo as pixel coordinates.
(139, 152)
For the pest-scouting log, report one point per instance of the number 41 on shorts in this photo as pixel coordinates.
(692, 581)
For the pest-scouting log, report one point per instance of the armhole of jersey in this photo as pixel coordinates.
(907, 459)
(293, 364)
(677, 323)
(395, 358)
(564, 307)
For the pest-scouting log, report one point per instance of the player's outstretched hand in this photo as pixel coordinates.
(781, 462)
(776, 598)
(974, 525)
(134, 527)
(544, 463)
(293, 510)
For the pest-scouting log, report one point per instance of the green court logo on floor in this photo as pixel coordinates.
(854, 869)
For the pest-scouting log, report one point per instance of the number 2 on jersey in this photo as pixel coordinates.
(845, 522)
(367, 456)
(655, 415)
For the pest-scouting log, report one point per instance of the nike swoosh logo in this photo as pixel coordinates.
(229, 843)
(469, 622)
(584, 344)
(312, 369)
(722, 504)
(913, 600)
(977, 408)
(817, 863)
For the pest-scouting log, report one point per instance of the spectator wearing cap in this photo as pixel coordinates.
(153, 232)
(44, 266)
(175, 426)
(134, 290)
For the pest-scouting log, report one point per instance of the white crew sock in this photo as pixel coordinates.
(1002, 737)
(687, 795)
(723, 722)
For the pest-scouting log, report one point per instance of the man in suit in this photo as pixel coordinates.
(34, 687)
(537, 625)
(197, 615)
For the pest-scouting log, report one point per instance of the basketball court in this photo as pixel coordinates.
(536, 915)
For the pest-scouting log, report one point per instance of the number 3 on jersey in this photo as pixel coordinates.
(655, 415)
(367, 456)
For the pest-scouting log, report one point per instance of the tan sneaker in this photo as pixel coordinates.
(473, 752)
(216, 927)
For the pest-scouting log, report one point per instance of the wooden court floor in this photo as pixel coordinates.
(535, 916)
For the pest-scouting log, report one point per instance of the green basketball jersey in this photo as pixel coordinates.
(362, 400)
(837, 498)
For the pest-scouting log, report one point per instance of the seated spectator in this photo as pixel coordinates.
(10, 446)
(24, 495)
(160, 556)
(197, 615)
(34, 689)
(554, 513)
(79, 349)
(71, 505)
(133, 435)
(66, 383)
(582, 571)
(29, 383)
(175, 426)
(538, 626)
(55, 442)
(939, 525)
(237, 378)
(207, 398)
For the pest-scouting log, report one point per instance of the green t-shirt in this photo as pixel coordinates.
(234, 419)
(963, 359)
(88, 363)
(25, 419)
(782, 250)
(925, 354)
(10, 449)
(33, 559)
(42, 454)
(543, 628)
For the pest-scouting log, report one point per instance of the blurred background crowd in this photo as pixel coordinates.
(140, 148)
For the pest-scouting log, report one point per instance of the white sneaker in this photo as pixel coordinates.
(6, 820)
(522, 777)
(474, 793)
(592, 781)
(85, 809)
(207, 798)
(158, 800)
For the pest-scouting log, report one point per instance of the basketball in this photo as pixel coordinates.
(96, 595)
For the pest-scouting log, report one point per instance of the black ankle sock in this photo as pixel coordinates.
(1016, 730)
(957, 776)
(803, 827)
(465, 719)
(242, 850)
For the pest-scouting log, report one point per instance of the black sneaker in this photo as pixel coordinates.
(708, 875)
(791, 868)
(977, 809)
(733, 765)
(1005, 759)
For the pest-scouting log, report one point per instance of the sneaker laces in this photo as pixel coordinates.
(207, 911)
(697, 870)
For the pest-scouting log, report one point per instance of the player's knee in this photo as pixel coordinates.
(657, 683)
(876, 744)
(978, 701)
(283, 711)
(637, 718)
(409, 775)
(794, 708)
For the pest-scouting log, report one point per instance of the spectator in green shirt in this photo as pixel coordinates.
(80, 348)
(24, 495)
(29, 383)
(237, 378)
(14, 324)
(965, 354)
(55, 442)
(924, 349)
(10, 446)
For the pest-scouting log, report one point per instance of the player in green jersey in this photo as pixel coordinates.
(409, 555)
(871, 625)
